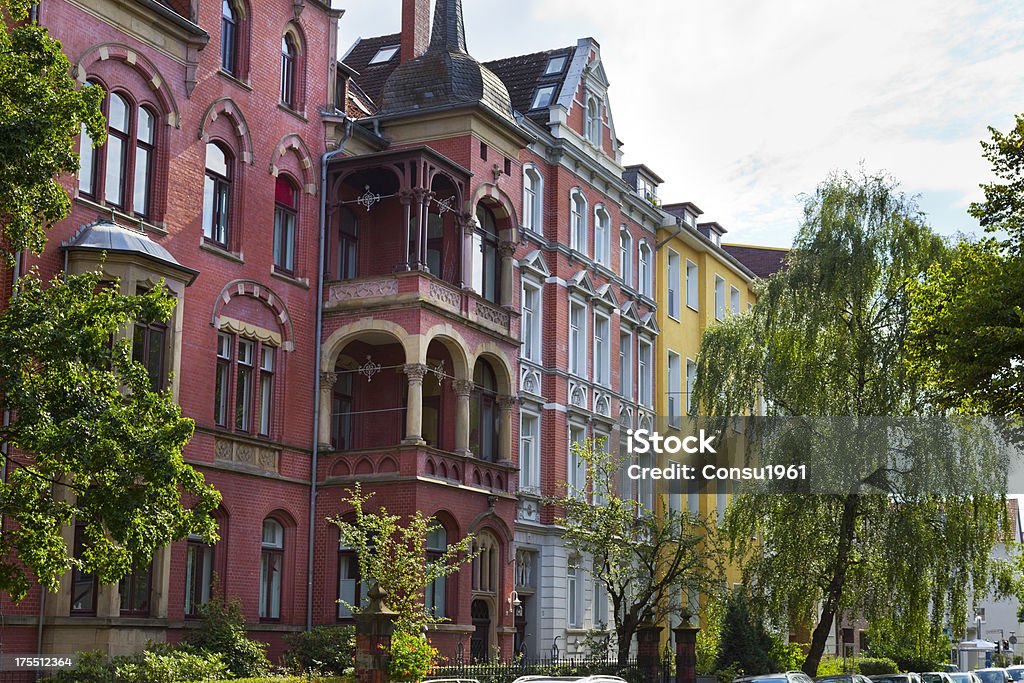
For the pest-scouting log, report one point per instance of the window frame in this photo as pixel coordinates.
(160, 379)
(198, 583)
(255, 417)
(645, 269)
(720, 301)
(573, 595)
(735, 301)
(286, 222)
(270, 553)
(218, 189)
(131, 582)
(626, 255)
(577, 338)
(674, 392)
(230, 27)
(673, 305)
(645, 373)
(80, 578)
(692, 285)
(626, 364)
(529, 456)
(602, 239)
(531, 320)
(578, 212)
(533, 198)
(602, 366)
(486, 250)
(290, 52)
(691, 380)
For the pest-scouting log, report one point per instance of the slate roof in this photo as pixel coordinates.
(105, 235)
(372, 77)
(762, 261)
(524, 74)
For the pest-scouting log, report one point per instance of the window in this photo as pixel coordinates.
(484, 416)
(626, 256)
(123, 169)
(626, 364)
(530, 322)
(385, 54)
(734, 300)
(598, 480)
(485, 564)
(217, 195)
(348, 245)
(602, 236)
(229, 38)
(577, 338)
(437, 544)
(251, 366)
(593, 122)
(602, 349)
(351, 589)
(645, 374)
(149, 347)
(719, 298)
(533, 192)
(134, 592)
(286, 207)
(673, 284)
(675, 498)
(645, 270)
(543, 97)
(83, 584)
(675, 395)
(721, 500)
(483, 151)
(555, 65)
(577, 468)
(486, 263)
(529, 452)
(289, 55)
(341, 412)
(574, 596)
(600, 601)
(693, 497)
(578, 221)
(198, 574)
(691, 380)
(645, 485)
(271, 568)
(692, 285)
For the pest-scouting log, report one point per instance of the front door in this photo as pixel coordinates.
(479, 644)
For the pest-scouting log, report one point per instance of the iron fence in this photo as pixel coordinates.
(497, 671)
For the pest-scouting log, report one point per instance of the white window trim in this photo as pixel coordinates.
(645, 281)
(673, 285)
(626, 268)
(574, 353)
(606, 362)
(693, 305)
(645, 397)
(579, 244)
(689, 385)
(626, 381)
(720, 308)
(538, 317)
(531, 486)
(735, 299)
(674, 390)
(538, 199)
(602, 245)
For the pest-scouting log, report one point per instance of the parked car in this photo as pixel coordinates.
(563, 679)
(965, 677)
(785, 677)
(1016, 672)
(937, 677)
(843, 678)
(993, 675)
(899, 678)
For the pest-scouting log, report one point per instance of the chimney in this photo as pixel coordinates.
(415, 28)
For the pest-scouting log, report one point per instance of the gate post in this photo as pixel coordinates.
(647, 652)
(686, 653)
(374, 626)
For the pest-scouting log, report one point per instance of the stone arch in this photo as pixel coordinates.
(490, 521)
(387, 465)
(293, 143)
(364, 466)
(340, 338)
(265, 294)
(456, 345)
(341, 469)
(503, 207)
(499, 362)
(227, 107)
(102, 52)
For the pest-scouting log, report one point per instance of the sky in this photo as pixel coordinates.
(743, 105)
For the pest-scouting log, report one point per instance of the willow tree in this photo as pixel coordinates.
(901, 507)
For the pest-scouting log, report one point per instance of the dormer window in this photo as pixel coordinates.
(555, 65)
(592, 124)
(543, 97)
(385, 54)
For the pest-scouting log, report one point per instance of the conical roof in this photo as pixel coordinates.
(445, 75)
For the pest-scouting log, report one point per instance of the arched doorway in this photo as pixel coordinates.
(479, 642)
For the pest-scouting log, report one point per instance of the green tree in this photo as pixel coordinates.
(42, 110)
(392, 553)
(967, 340)
(744, 641)
(645, 559)
(827, 337)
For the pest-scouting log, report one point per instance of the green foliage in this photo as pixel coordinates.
(222, 632)
(295, 679)
(968, 313)
(828, 337)
(644, 558)
(325, 649)
(877, 666)
(391, 554)
(411, 657)
(729, 673)
(709, 637)
(911, 651)
(94, 444)
(786, 656)
(833, 666)
(42, 110)
(744, 641)
(158, 663)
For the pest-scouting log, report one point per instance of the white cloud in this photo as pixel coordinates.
(742, 106)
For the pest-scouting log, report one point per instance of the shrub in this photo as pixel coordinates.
(412, 657)
(786, 656)
(222, 631)
(160, 663)
(831, 666)
(325, 650)
(875, 666)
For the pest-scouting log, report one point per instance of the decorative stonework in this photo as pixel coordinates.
(462, 387)
(528, 511)
(366, 289)
(602, 404)
(243, 453)
(530, 381)
(445, 296)
(492, 315)
(577, 395)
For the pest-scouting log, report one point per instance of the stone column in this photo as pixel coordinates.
(418, 230)
(505, 406)
(414, 407)
(374, 626)
(686, 653)
(405, 197)
(468, 231)
(424, 228)
(463, 390)
(507, 250)
(327, 382)
(648, 660)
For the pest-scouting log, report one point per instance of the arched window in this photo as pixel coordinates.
(645, 269)
(533, 189)
(198, 574)
(352, 589)
(341, 412)
(271, 568)
(593, 121)
(286, 208)
(484, 416)
(289, 54)
(626, 256)
(578, 221)
(485, 563)
(229, 38)
(348, 245)
(436, 596)
(123, 170)
(486, 263)
(602, 235)
(217, 195)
